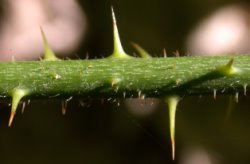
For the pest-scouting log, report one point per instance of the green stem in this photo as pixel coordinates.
(111, 77)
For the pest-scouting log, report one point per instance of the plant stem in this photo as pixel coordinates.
(137, 77)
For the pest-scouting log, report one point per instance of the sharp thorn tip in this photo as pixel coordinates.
(12, 114)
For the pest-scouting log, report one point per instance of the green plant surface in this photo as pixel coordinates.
(110, 77)
(124, 76)
(119, 77)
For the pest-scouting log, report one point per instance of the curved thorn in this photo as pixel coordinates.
(172, 102)
(118, 51)
(142, 52)
(49, 55)
(17, 95)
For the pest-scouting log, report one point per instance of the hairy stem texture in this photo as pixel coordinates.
(135, 77)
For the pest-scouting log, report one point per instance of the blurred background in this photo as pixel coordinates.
(94, 131)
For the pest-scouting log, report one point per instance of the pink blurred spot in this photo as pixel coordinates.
(225, 31)
(63, 22)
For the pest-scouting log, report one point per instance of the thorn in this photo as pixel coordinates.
(142, 52)
(245, 89)
(57, 76)
(139, 94)
(143, 97)
(118, 51)
(28, 102)
(164, 53)
(230, 63)
(215, 94)
(172, 102)
(12, 114)
(87, 56)
(118, 103)
(49, 55)
(115, 81)
(16, 94)
(23, 106)
(64, 107)
(177, 82)
(70, 98)
(116, 89)
(228, 69)
(237, 97)
(177, 53)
